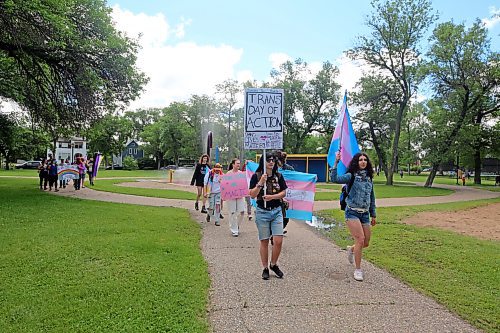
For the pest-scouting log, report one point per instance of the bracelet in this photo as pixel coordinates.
(261, 186)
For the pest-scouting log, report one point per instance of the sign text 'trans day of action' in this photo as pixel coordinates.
(264, 118)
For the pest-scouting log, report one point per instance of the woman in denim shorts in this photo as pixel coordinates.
(360, 205)
(268, 217)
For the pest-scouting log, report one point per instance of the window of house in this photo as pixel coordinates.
(130, 151)
(78, 145)
(135, 151)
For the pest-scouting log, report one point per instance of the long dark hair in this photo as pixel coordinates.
(354, 165)
(262, 161)
(201, 158)
(230, 167)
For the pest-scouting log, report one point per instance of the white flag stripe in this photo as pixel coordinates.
(299, 195)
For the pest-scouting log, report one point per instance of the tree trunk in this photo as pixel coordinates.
(477, 165)
(395, 142)
(432, 175)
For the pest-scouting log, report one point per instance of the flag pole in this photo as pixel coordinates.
(265, 171)
(342, 124)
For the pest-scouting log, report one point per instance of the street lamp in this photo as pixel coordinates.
(72, 144)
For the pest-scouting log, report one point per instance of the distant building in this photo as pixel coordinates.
(68, 148)
(133, 149)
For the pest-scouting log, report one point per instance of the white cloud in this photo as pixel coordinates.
(176, 69)
(494, 19)
(277, 59)
(350, 71)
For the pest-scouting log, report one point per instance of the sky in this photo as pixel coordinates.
(189, 46)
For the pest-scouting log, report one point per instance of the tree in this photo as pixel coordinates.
(313, 100)
(65, 59)
(141, 118)
(392, 48)
(465, 75)
(229, 91)
(109, 135)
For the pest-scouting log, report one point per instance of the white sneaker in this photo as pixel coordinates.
(358, 275)
(350, 254)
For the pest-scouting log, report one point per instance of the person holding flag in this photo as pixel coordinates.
(352, 167)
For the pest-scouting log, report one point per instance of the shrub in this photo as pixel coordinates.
(146, 163)
(129, 163)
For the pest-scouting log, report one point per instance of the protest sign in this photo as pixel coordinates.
(67, 172)
(263, 118)
(234, 185)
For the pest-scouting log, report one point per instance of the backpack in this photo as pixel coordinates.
(345, 193)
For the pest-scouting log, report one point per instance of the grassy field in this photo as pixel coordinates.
(70, 265)
(458, 271)
(384, 191)
(109, 185)
(102, 173)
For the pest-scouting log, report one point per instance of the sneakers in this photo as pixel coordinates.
(217, 224)
(250, 218)
(222, 217)
(265, 274)
(208, 218)
(196, 205)
(350, 255)
(358, 275)
(276, 270)
(203, 210)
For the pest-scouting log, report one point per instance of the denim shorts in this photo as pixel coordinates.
(351, 214)
(269, 222)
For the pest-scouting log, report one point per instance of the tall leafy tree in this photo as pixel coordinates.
(310, 100)
(65, 58)
(393, 49)
(465, 75)
(228, 92)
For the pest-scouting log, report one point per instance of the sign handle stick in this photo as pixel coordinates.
(265, 171)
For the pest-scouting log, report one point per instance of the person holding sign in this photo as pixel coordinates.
(269, 186)
(360, 205)
(235, 206)
(214, 198)
(200, 171)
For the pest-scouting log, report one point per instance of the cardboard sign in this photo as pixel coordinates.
(264, 118)
(234, 185)
(67, 172)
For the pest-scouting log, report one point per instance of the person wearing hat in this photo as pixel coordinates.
(268, 215)
(214, 198)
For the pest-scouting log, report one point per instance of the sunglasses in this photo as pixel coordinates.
(269, 160)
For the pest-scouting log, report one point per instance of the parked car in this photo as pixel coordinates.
(29, 165)
(115, 167)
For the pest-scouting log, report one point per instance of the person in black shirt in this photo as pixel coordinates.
(268, 216)
(200, 171)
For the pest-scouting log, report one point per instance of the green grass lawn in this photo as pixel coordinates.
(102, 173)
(461, 272)
(384, 191)
(110, 185)
(70, 265)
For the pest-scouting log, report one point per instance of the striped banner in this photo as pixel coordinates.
(299, 194)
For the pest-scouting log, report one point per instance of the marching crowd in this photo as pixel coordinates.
(270, 213)
(48, 173)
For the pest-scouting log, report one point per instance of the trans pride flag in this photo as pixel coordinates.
(344, 140)
(299, 194)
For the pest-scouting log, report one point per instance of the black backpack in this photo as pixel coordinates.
(345, 193)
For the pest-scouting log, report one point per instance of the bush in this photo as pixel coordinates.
(146, 163)
(129, 163)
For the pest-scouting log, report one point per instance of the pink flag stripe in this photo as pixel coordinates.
(301, 205)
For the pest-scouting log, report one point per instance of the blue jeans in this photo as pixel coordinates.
(269, 222)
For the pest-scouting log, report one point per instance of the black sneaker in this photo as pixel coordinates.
(208, 218)
(265, 274)
(196, 206)
(276, 270)
(222, 217)
(203, 210)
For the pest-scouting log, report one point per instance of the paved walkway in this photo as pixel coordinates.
(318, 293)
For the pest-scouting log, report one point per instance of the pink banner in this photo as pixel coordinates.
(234, 185)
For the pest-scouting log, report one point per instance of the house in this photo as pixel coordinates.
(133, 149)
(68, 148)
